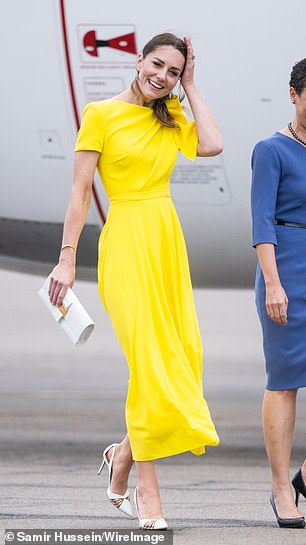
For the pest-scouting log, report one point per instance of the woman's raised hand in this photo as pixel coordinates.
(277, 304)
(188, 74)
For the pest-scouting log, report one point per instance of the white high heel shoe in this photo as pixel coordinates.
(123, 503)
(149, 524)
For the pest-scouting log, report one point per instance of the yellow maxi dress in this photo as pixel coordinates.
(143, 276)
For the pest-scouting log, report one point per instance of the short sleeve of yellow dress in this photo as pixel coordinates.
(186, 136)
(91, 133)
(144, 279)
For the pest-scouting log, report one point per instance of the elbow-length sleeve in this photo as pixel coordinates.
(91, 133)
(185, 135)
(266, 173)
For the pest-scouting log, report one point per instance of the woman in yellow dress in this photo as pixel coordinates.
(143, 272)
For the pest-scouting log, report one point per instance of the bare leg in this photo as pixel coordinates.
(148, 498)
(304, 471)
(122, 465)
(279, 408)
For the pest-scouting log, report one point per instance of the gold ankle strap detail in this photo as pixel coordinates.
(117, 502)
(149, 525)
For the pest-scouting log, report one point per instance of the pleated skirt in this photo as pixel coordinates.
(144, 284)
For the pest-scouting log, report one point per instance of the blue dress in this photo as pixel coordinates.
(279, 192)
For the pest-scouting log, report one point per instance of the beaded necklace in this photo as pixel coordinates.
(296, 136)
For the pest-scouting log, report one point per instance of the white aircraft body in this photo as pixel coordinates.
(58, 55)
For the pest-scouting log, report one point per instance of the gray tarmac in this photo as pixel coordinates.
(60, 406)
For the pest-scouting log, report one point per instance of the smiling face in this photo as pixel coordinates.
(159, 71)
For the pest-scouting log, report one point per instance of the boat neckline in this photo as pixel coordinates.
(139, 105)
(130, 103)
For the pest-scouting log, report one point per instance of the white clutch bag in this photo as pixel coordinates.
(71, 315)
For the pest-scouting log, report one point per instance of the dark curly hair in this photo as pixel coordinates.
(298, 77)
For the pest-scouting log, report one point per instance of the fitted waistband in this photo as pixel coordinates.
(138, 196)
(290, 223)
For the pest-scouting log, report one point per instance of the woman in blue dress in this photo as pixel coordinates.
(279, 235)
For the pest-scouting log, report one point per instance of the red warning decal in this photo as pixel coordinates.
(126, 42)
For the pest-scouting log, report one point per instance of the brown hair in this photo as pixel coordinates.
(159, 106)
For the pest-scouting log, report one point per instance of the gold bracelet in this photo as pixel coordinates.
(68, 246)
